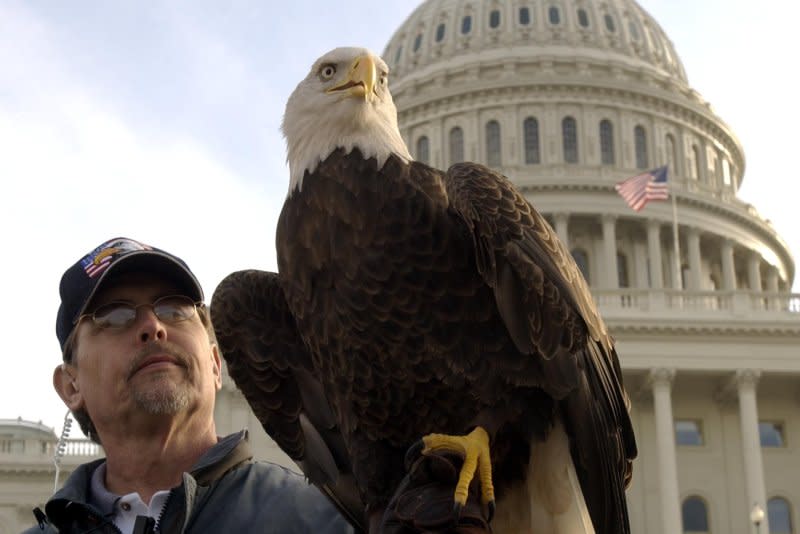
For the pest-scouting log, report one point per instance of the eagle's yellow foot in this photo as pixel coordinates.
(474, 448)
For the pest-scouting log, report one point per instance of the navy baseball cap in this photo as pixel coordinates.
(80, 283)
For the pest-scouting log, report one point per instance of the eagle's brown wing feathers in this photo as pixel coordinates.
(269, 363)
(549, 311)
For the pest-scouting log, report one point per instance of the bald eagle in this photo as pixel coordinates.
(413, 303)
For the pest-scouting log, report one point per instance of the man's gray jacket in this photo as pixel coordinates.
(225, 492)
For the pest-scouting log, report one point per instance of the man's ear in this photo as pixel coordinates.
(66, 385)
(216, 361)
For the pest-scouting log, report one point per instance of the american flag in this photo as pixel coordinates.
(93, 269)
(638, 190)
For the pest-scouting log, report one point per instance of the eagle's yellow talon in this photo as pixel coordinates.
(474, 448)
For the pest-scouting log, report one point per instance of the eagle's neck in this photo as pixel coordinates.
(313, 137)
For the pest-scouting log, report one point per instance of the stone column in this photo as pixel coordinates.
(754, 271)
(610, 251)
(654, 252)
(695, 265)
(661, 381)
(772, 280)
(746, 381)
(728, 268)
(562, 227)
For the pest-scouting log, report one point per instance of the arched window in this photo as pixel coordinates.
(695, 515)
(493, 157)
(569, 133)
(640, 140)
(606, 142)
(531, 132)
(466, 24)
(582, 260)
(524, 16)
(780, 516)
(726, 171)
(423, 150)
(583, 18)
(554, 16)
(610, 25)
(622, 270)
(456, 145)
(494, 18)
(417, 42)
(697, 162)
(672, 156)
(440, 32)
(399, 54)
(633, 31)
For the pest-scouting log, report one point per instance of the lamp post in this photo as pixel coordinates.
(757, 516)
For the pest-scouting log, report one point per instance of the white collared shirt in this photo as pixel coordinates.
(124, 508)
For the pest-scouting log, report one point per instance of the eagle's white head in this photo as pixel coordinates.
(343, 102)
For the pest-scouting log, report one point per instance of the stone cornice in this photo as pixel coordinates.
(700, 328)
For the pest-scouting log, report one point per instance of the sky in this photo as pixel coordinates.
(160, 121)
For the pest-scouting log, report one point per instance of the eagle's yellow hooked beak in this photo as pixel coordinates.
(360, 80)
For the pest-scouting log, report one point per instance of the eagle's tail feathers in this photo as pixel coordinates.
(550, 497)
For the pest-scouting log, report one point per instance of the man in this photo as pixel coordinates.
(140, 371)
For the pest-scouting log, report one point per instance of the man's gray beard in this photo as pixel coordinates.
(162, 400)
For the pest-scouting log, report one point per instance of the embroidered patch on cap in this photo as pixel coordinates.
(103, 256)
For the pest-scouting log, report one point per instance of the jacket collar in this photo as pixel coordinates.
(226, 454)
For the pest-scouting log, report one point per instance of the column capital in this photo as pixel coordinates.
(729, 389)
(661, 376)
(608, 218)
(654, 223)
(747, 378)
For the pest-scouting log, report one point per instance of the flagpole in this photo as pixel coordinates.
(678, 282)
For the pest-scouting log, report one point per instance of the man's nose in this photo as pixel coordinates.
(148, 325)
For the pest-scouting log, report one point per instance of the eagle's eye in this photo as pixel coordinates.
(326, 72)
(384, 79)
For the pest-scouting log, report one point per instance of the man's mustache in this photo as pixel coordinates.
(159, 347)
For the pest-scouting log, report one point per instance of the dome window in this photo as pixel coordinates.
(633, 30)
(695, 515)
(493, 154)
(398, 54)
(606, 142)
(423, 150)
(640, 140)
(672, 156)
(456, 145)
(582, 261)
(623, 279)
(583, 18)
(531, 133)
(524, 16)
(695, 163)
(417, 42)
(779, 514)
(569, 134)
(494, 18)
(610, 25)
(440, 32)
(466, 24)
(554, 15)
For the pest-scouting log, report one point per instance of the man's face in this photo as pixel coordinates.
(151, 367)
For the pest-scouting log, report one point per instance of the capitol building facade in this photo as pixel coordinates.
(568, 98)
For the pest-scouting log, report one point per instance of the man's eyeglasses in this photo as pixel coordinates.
(119, 315)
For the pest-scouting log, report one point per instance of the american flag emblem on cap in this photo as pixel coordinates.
(103, 256)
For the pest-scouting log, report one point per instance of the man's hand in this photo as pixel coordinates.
(423, 503)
